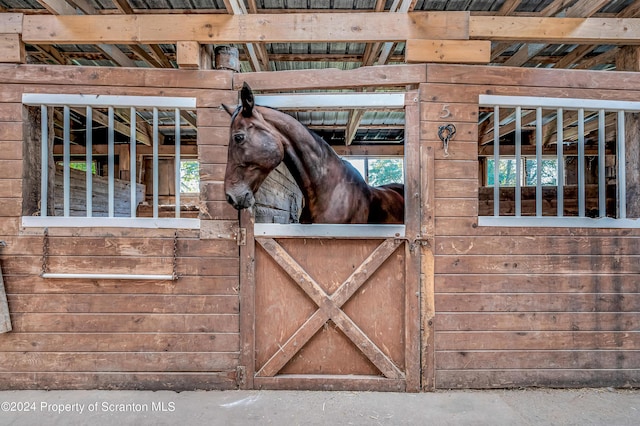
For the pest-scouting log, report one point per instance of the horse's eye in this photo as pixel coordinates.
(239, 138)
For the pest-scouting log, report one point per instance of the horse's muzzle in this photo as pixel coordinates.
(241, 201)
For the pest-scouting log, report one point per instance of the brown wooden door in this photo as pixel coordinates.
(334, 314)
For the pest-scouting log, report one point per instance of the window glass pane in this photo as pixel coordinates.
(379, 171)
(549, 172)
(507, 172)
(189, 176)
(383, 171)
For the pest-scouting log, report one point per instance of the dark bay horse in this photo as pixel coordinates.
(334, 192)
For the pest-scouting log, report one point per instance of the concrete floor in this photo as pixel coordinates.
(498, 407)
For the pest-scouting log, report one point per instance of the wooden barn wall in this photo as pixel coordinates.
(524, 306)
(77, 333)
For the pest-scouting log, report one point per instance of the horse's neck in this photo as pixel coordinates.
(308, 159)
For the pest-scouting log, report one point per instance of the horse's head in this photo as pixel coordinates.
(255, 148)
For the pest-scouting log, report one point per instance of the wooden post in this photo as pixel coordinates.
(31, 154)
(11, 49)
(124, 162)
(629, 60)
(188, 54)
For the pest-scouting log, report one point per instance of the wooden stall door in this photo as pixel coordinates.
(330, 314)
(336, 313)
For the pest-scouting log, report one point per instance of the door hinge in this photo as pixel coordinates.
(241, 236)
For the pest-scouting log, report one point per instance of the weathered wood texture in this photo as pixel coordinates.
(118, 334)
(523, 306)
(100, 199)
(312, 322)
(279, 199)
(501, 307)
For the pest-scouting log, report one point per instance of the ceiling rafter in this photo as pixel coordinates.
(530, 50)
(62, 7)
(383, 52)
(507, 8)
(157, 58)
(257, 53)
(580, 51)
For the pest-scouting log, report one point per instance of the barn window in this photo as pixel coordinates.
(110, 161)
(319, 107)
(379, 171)
(560, 162)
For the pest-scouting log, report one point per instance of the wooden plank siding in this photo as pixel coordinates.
(500, 307)
(119, 334)
(524, 306)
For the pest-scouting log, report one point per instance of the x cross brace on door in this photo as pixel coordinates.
(330, 308)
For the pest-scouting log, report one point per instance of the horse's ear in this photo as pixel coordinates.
(246, 96)
(228, 109)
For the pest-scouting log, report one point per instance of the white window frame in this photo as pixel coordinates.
(560, 104)
(333, 101)
(44, 101)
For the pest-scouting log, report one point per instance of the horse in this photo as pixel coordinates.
(334, 192)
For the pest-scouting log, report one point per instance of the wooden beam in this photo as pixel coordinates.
(253, 28)
(311, 27)
(188, 54)
(508, 7)
(54, 54)
(399, 6)
(62, 7)
(555, 6)
(603, 58)
(11, 23)
(355, 116)
(574, 56)
(370, 150)
(631, 11)
(529, 51)
(524, 54)
(448, 51)
(556, 30)
(11, 49)
(258, 57)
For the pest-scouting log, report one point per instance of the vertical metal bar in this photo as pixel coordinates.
(560, 157)
(89, 161)
(496, 160)
(66, 160)
(155, 162)
(518, 194)
(622, 172)
(602, 186)
(539, 161)
(44, 160)
(111, 163)
(177, 163)
(132, 162)
(581, 164)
